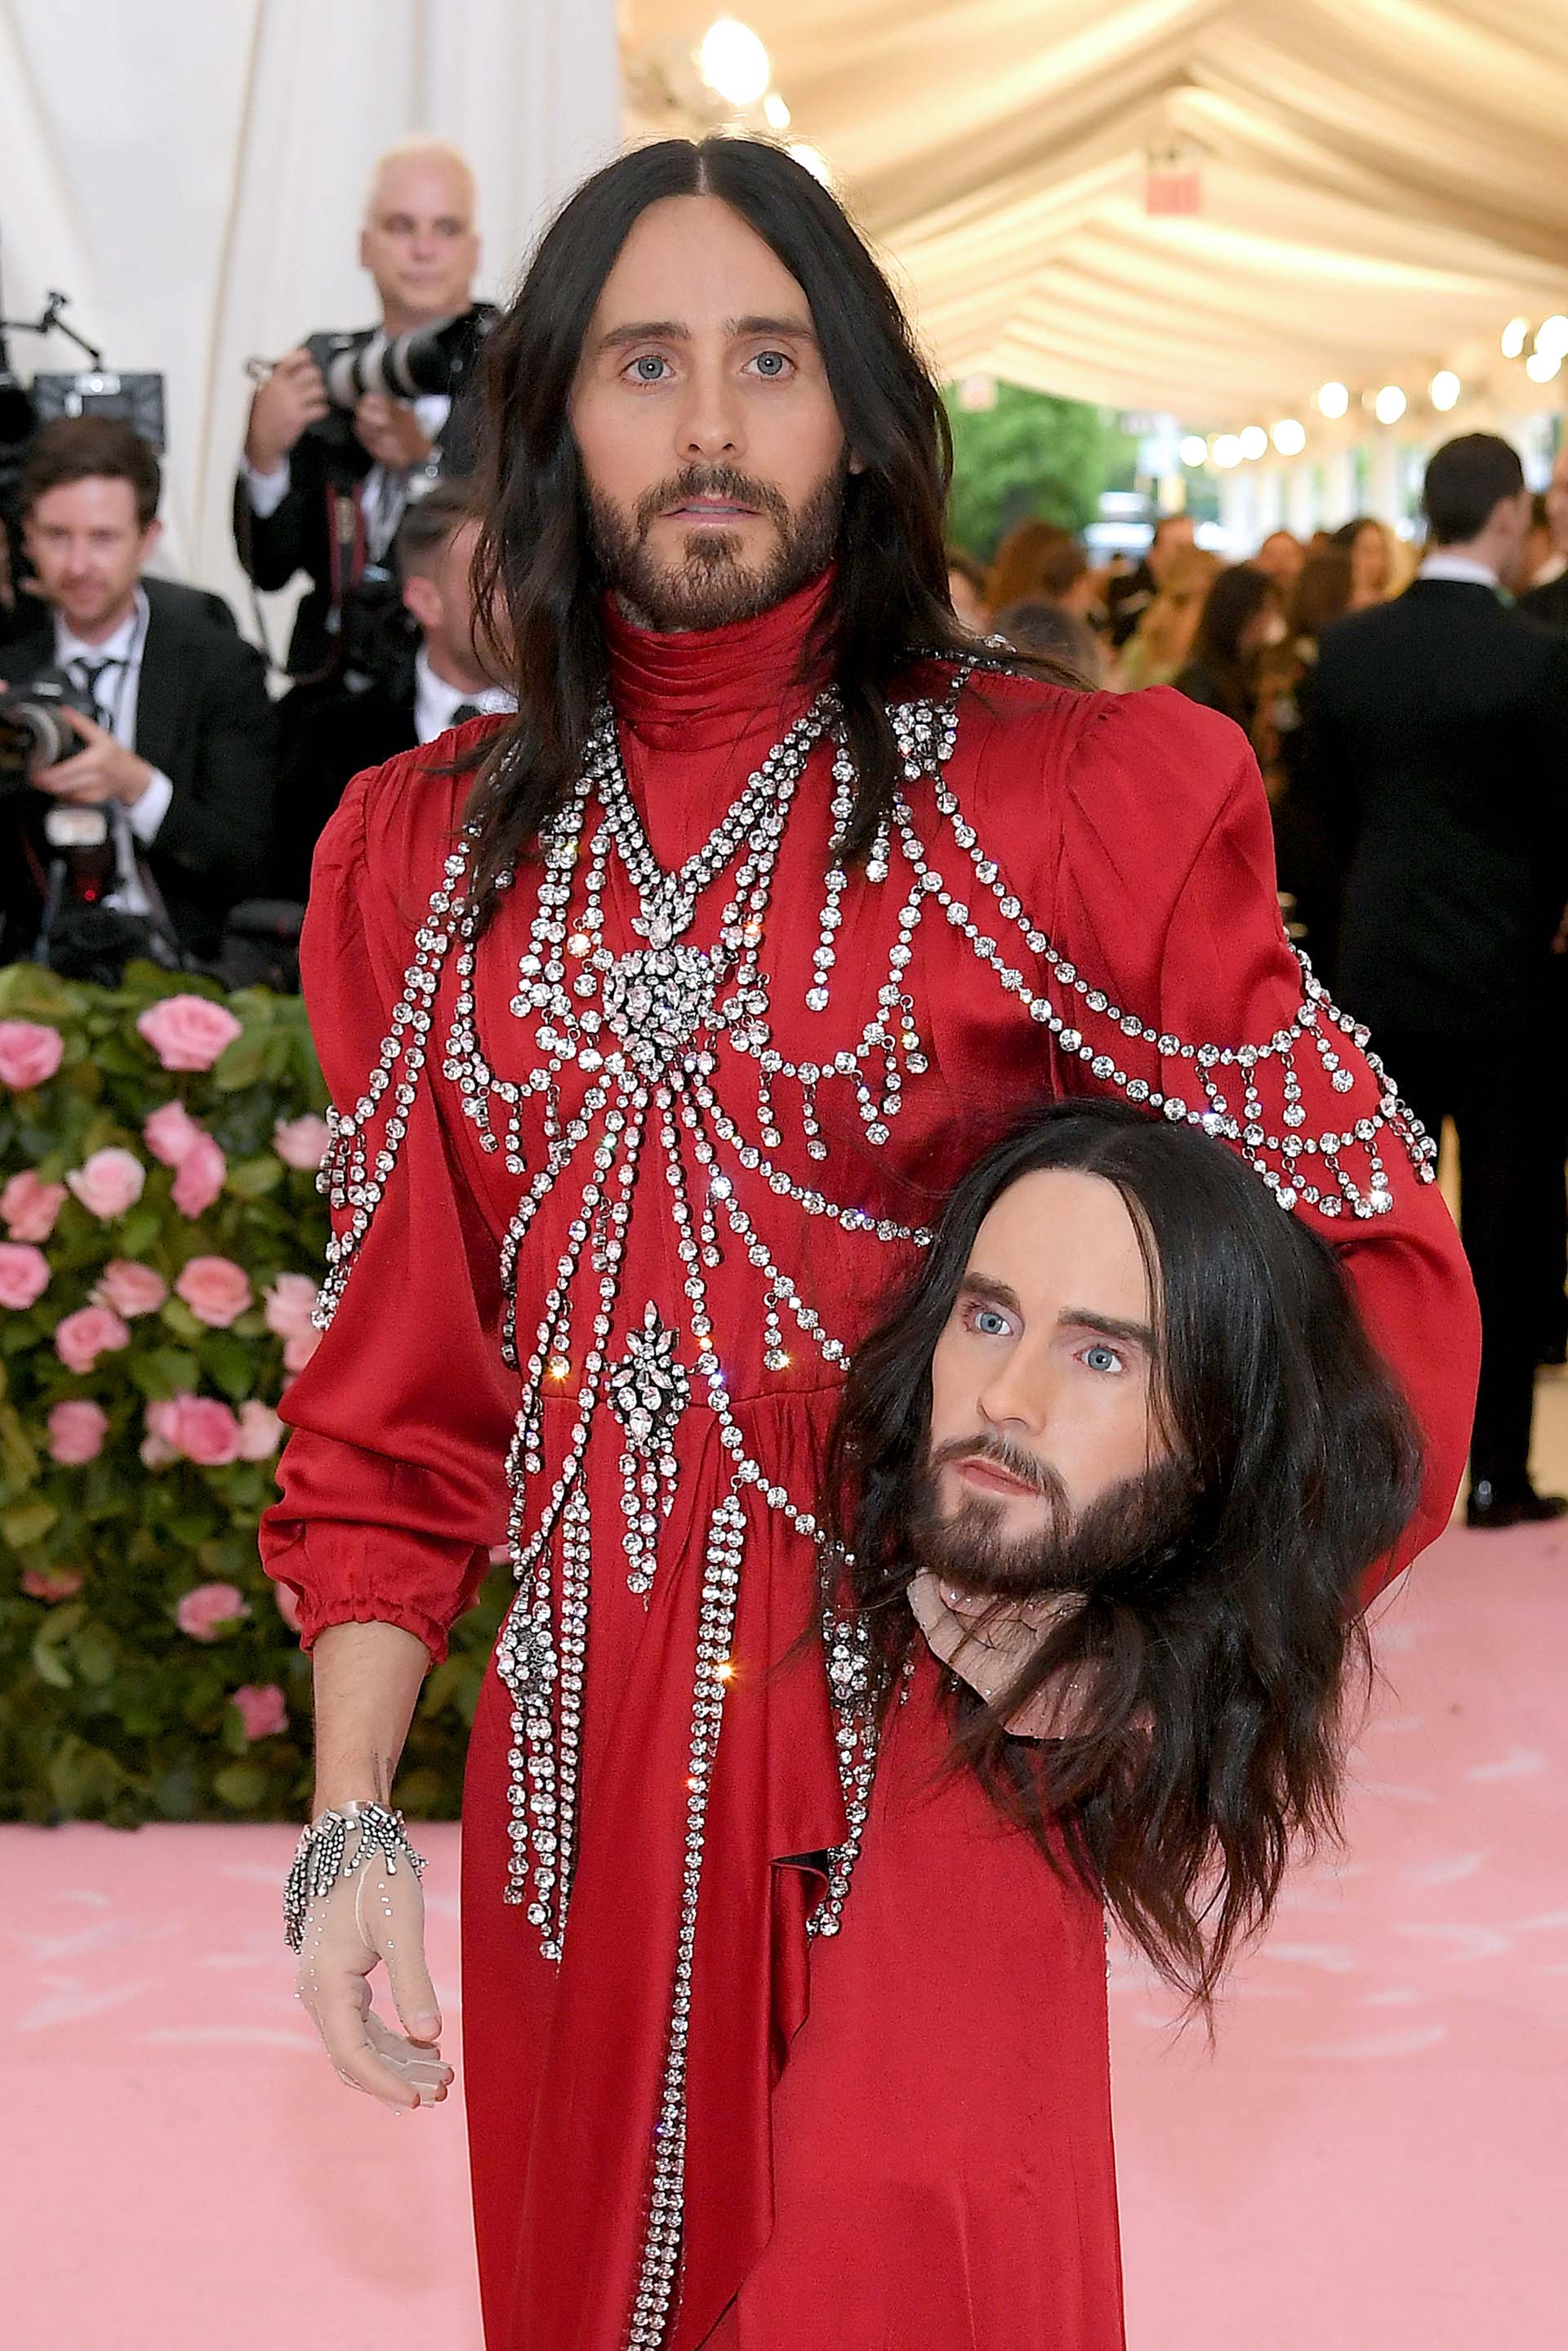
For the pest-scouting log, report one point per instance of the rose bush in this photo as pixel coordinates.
(151, 1313)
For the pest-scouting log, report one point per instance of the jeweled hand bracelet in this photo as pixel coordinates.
(322, 1856)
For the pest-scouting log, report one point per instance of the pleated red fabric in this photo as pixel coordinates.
(899, 2136)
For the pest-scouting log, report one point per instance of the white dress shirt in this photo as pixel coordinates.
(383, 496)
(435, 703)
(1441, 565)
(118, 690)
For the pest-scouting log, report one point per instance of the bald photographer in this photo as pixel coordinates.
(137, 744)
(347, 428)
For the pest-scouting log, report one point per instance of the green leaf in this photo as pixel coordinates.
(241, 1785)
(28, 1523)
(252, 1179)
(231, 1363)
(97, 1655)
(243, 1063)
(177, 1317)
(140, 1231)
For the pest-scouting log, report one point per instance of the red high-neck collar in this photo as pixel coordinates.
(699, 689)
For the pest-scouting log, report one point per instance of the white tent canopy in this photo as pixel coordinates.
(1382, 183)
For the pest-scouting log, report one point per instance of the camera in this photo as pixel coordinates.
(34, 729)
(433, 358)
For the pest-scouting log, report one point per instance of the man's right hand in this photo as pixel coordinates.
(293, 396)
(376, 1916)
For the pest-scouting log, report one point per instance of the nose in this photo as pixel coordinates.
(709, 426)
(1015, 1398)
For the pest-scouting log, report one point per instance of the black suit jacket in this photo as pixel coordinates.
(203, 715)
(303, 531)
(1438, 755)
(1549, 603)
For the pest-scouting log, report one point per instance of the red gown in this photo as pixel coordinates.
(699, 2124)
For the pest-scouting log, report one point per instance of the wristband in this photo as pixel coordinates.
(323, 1856)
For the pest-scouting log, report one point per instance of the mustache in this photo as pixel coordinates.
(711, 482)
(1121, 1546)
(1037, 1475)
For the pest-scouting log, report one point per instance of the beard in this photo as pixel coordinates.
(1135, 1525)
(711, 585)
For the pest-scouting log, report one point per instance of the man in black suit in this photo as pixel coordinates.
(182, 748)
(1439, 749)
(322, 489)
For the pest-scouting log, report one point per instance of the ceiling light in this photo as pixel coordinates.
(1444, 389)
(811, 158)
(1513, 336)
(777, 112)
(1551, 337)
(1542, 366)
(1193, 449)
(1332, 400)
(732, 60)
(1390, 404)
(1227, 450)
(1290, 437)
(1254, 442)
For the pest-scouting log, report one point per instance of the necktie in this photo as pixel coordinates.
(86, 675)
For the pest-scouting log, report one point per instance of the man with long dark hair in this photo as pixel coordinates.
(656, 1019)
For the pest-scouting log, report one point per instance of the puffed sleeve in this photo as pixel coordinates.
(392, 1489)
(1164, 893)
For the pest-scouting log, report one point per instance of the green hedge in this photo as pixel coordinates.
(119, 1663)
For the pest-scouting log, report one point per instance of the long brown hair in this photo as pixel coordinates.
(1214, 1667)
(537, 581)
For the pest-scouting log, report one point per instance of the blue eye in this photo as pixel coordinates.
(1102, 1359)
(988, 1323)
(772, 363)
(648, 359)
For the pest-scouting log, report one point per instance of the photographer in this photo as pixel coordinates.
(180, 749)
(329, 465)
(331, 737)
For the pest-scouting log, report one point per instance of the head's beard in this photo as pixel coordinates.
(1136, 1523)
(712, 584)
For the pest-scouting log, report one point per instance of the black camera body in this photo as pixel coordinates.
(34, 729)
(436, 359)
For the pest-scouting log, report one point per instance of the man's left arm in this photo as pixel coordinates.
(1167, 887)
(220, 814)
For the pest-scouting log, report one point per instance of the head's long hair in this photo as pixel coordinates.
(1214, 1666)
(537, 580)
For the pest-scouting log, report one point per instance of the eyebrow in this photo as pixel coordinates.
(674, 330)
(1074, 1318)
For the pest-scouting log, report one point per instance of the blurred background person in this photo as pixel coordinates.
(966, 591)
(1281, 556)
(1165, 628)
(1438, 742)
(1373, 569)
(1537, 557)
(1547, 596)
(1243, 615)
(443, 683)
(1128, 597)
(181, 748)
(1310, 877)
(1050, 632)
(322, 487)
(1052, 615)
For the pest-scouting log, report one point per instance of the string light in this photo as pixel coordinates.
(1193, 449)
(775, 111)
(1290, 436)
(1332, 400)
(1444, 389)
(732, 60)
(1551, 337)
(1513, 337)
(1542, 366)
(1390, 404)
(1227, 450)
(1254, 442)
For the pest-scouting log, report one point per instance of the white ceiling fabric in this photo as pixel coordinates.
(1381, 182)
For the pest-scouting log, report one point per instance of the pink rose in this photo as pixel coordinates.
(261, 1709)
(200, 1427)
(290, 1302)
(260, 1431)
(199, 1177)
(156, 1453)
(188, 1032)
(170, 1131)
(210, 1610)
(297, 1351)
(130, 1288)
(164, 1419)
(29, 1053)
(24, 1274)
(108, 1182)
(76, 1432)
(29, 1205)
(300, 1141)
(215, 1290)
(51, 1582)
(288, 1601)
(89, 1333)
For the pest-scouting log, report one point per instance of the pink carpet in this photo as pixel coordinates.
(1373, 2159)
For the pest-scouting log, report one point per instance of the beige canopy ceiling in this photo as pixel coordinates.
(1382, 182)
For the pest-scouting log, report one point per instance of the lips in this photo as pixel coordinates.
(988, 1477)
(708, 510)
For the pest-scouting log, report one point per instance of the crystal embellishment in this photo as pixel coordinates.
(658, 1000)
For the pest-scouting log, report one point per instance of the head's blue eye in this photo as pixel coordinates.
(989, 1323)
(1102, 1359)
(649, 359)
(771, 362)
